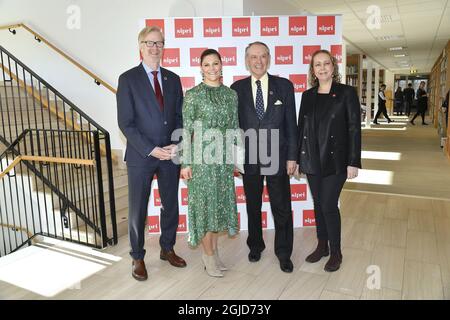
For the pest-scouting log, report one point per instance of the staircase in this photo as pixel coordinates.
(60, 129)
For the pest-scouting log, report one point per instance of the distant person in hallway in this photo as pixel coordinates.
(267, 107)
(382, 105)
(399, 101)
(422, 103)
(212, 199)
(409, 98)
(149, 102)
(329, 149)
(445, 108)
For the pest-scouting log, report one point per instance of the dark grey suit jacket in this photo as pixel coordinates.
(279, 117)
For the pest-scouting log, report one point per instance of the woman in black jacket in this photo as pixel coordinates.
(329, 149)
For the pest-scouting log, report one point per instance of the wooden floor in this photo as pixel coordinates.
(422, 170)
(406, 238)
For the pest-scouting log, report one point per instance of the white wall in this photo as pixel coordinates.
(270, 7)
(389, 80)
(106, 43)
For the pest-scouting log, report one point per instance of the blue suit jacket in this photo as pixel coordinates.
(139, 115)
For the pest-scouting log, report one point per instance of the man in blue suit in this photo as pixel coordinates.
(149, 102)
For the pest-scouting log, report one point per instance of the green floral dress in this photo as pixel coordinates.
(208, 114)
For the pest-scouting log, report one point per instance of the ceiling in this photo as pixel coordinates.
(422, 27)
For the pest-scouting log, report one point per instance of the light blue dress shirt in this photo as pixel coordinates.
(149, 70)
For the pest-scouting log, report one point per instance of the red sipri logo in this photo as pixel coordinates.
(184, 28)
(241, 27)
(184, 196)
(153, 224)
(212, 27)
(171, 57)
(298, 192)
(195, 56)
(264, 219)
(240, 195)
(237, 78)
(228, 56)
(155, 22)
(269, 26)
(284, 55)
(157, 198)
(336, 51)
(309, 219)
(187, 83)
(308, 52)
(298, 26)
(182, 225)
(326, 25)
(299, 82)
(265, 195)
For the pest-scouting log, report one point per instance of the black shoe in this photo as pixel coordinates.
(286, 265)
(254, 256)
(412, 122)
(424, 124)
(389, 121)
(375, 122)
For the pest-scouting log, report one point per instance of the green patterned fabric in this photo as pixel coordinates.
(211, 191)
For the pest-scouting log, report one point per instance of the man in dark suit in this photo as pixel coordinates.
(267, 112)
(149, 101)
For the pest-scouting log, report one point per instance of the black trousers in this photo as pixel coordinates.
(326, 192)
(399, 108)
(420, 111)
(408, 105)
(139, 187)
(381, 110)
(280, 202)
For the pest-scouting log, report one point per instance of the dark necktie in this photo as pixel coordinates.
(259, 101)
(158, 92)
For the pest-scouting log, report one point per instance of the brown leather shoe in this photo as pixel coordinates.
(334, 262)
(139, 272)
(322, 250)
(173, 259)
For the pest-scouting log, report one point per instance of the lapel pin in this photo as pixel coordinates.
(334, 95)
(165, 78)
(271, 92)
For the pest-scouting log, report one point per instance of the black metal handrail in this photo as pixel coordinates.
(66, 196)
(29, 102)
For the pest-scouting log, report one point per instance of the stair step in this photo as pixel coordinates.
(12, 90)
(25, 101)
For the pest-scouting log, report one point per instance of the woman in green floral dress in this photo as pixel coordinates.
(209, 114)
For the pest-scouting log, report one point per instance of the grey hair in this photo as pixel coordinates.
(255, 43)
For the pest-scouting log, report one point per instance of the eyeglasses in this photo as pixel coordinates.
(151, 44)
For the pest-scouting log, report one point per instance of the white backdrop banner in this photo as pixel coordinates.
(291, 39)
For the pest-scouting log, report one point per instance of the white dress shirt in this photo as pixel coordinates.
(264, 87)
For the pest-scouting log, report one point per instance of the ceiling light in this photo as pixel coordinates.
(399, 55)
(396, 48)
(389, 38)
